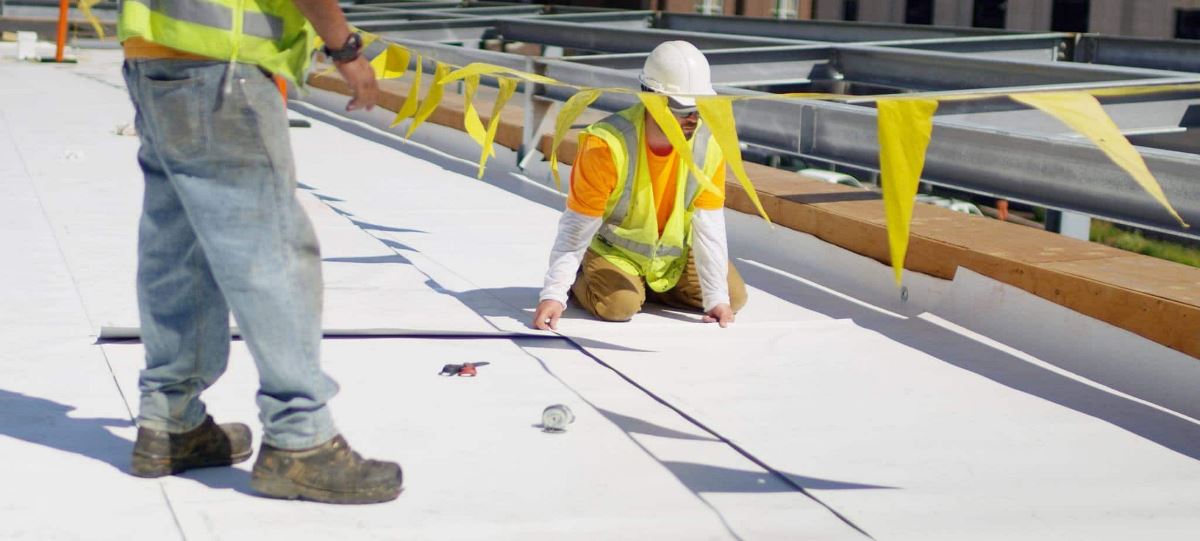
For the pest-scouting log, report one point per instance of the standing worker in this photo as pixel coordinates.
(637, 225)
(221, 230)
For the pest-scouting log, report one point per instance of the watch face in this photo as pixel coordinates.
(349, 51)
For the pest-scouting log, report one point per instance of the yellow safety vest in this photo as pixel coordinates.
(269, 33)
(629, 237)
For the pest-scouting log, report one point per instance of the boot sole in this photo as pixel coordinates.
(149, 467)
(286, 489)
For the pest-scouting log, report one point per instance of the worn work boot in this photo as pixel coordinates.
(158, 453)
(328, 473)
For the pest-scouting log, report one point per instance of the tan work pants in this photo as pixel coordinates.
(612, 294)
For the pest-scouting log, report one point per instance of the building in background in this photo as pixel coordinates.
(1144, 18)
(780, 9)
(1161, 19)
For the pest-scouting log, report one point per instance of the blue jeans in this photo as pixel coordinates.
(221, 230)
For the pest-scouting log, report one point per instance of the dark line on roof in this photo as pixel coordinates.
(749, 456)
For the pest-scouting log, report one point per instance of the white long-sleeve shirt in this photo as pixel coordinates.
(575, 234)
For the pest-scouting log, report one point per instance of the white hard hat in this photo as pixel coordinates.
(677, 67)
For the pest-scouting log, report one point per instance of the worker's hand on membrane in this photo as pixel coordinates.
(547, 314)
(721, 314)
(364, 90)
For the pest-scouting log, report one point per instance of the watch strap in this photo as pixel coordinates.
(349, 50)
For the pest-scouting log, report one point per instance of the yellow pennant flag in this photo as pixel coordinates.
(410, 101)
(1142, 90)
(368, 38)
(85, 7)
(905, 126)
(566, 115)
(656, 105)
(1083, 113)
(391, 63)
(718, 115)
(507, 88)
(431, 101)
(471, 116)
(479, 68)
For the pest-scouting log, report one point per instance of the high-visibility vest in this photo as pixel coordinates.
(269, 33)
(629, 236)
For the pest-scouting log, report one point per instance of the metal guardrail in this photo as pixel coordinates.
(827, 31)
(612, 39)
(1174, 55)
(1029, 47)
(991, 147)
(437, 30)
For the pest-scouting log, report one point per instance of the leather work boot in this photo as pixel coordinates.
(158, 453)
(328, 473)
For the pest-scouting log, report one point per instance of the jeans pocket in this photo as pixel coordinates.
(174, 104)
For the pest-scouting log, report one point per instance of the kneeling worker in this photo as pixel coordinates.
(638, 225)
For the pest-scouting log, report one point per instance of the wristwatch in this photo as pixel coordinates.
(349, 51)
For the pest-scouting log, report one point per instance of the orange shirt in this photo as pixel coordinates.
(594, 177)
(136, 47)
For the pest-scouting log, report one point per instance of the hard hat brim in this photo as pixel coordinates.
(687, 100)
(681, 102)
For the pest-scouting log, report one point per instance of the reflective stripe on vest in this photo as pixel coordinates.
(629, 132)
(274, 35)
(207, 13)
(608, 232)
(700, 156)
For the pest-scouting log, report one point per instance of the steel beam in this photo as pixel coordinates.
(932, 71)
(513, 11)
(1175, 55)
(403, 6)
(1148, 120)
(443, 30)
(829, 31)
(581, 14)
(1011, 157)
(390, 4)
(738, 67)
(617, 40)
(459, 56)
(611, 19)
(901, 70)
(398, 16)
(1023, 47)
(1061, 173)
(593, 77)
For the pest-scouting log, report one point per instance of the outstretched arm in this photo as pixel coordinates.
(575, 232)
(593, 178)
(711, 251)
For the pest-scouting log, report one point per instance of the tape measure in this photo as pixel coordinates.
(555, 418)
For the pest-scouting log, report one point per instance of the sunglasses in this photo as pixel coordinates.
(684, 112)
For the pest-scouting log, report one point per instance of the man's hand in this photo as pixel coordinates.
(721, 314)
(330, 23)
(547, 314)
(359, 76)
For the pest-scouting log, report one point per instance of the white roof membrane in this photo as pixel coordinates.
(927, 419)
